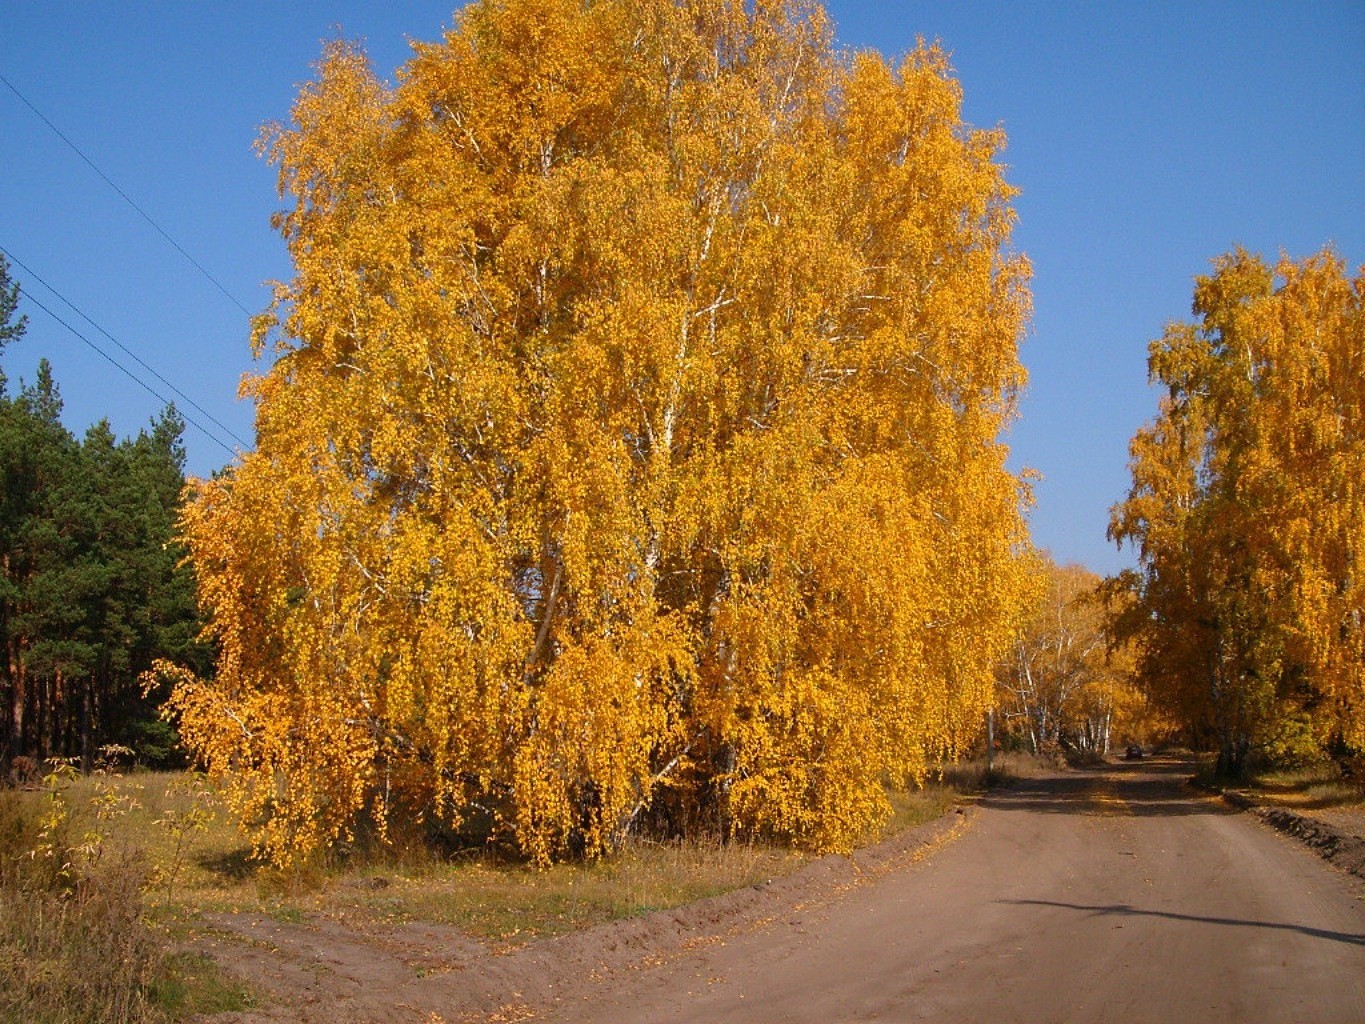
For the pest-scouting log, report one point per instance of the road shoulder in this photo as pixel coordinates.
(1343, 849)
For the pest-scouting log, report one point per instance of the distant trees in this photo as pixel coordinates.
(1247, 510)
(90, 588)
(633, 443)
(1065, 684)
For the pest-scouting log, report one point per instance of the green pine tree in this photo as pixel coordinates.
(92, 582)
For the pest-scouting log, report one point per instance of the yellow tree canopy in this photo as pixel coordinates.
(1248, 510)
(1066, 682)
(631, 440)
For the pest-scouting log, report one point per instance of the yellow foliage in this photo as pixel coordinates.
(1248, 508)
(1066, 681)
(633, 428)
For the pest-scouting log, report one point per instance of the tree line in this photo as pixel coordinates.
(1247, 512)
(1242, 629)
(91, 586)
(1066, 687)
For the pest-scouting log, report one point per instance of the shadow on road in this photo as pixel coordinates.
(1124, 910)
(1140, 789)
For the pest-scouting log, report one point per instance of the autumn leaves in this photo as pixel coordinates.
(632, 450)
(1248, 513)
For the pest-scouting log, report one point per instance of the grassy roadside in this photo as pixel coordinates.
(1312, 788)
(77, 941)
(151, 857)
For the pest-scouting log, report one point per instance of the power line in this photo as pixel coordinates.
(129, 352)
(110, 182)
(159, 397)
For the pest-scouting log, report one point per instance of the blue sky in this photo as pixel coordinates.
(1147, 138)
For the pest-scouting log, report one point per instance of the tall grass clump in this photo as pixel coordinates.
(74, 947)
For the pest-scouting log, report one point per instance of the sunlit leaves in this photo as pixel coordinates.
(1248, 511)
(1066, 683)
(633, 443)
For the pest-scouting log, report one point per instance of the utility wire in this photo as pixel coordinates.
(160, 397)
(129, 352)
(110, 182)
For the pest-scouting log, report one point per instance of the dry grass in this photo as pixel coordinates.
(1319, 790)
(910, 808)
(514, 903)
(209, 870)
(78, 955)
(1313, 787)
(161, 853)
(76, 943)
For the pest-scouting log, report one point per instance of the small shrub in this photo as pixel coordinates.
(1050, 753)
(183, 824)
(1293, 744)
(74, 944)
(1077, 758)
(21, 829)
(1353, 771)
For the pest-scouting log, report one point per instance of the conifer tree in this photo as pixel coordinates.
(91, 589)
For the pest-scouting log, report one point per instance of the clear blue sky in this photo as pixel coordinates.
(1147, 138)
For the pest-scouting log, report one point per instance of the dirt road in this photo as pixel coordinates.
(1110, 895)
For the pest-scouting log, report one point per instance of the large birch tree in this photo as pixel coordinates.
(1247, 510)
(631, 445)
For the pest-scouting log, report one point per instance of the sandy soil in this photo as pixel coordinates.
(1117, 894)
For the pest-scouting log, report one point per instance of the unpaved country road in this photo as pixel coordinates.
(1114, 895)
(1117, 894)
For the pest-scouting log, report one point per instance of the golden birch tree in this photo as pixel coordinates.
(1066, 683)
(1248, 514)
(631, 440)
